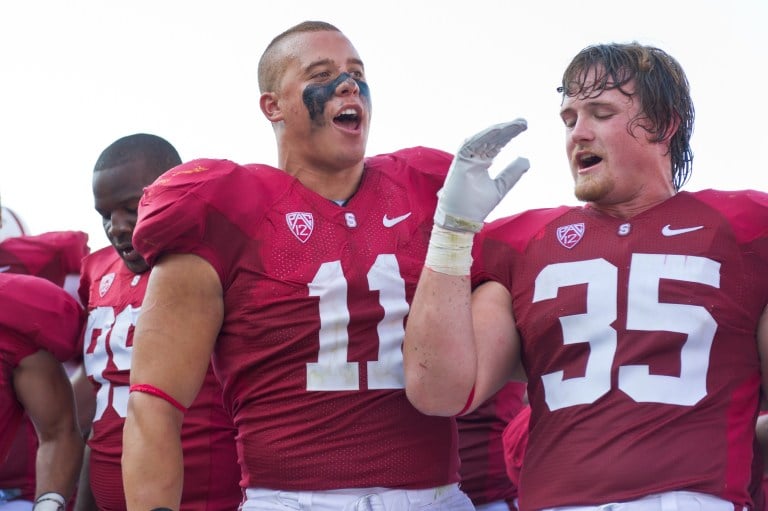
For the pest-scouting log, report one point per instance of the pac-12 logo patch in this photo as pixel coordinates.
(301, 224)
(570, 235)
(106, 283)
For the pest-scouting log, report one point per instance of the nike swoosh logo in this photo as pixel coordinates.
(4, 268)
(389, 222)
(668, 231)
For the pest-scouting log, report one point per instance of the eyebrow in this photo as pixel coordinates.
(328, 62)
(592, 104)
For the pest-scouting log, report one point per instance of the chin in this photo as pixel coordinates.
(352, 157)
(590, 190)
(136, 266)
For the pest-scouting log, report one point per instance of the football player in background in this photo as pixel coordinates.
(56, 257)
(114, 280)
(40, 326)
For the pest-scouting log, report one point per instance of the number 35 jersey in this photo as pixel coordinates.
(113, 296)
(315, 295)
(638, 338)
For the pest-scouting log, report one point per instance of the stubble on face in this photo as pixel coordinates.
(592, 187)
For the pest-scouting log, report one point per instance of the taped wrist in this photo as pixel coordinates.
(449, 251)
(456, 223)
(50, 501)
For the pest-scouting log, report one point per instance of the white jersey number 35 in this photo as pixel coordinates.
(644, 312)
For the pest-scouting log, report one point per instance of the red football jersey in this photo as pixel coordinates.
(35, 315)
(316, 294)
(638, 338)
(114, 295)
(53, 256)
(483, 469)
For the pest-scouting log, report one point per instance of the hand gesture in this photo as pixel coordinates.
(469, 193)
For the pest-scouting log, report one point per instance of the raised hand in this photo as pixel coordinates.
(469, 193)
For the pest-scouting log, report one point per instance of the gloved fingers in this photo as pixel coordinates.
(510, 175)
(487, 143)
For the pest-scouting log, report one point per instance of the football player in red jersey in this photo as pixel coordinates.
(54, 256)
(298, 280)
(633, 317)
(113, 283)
(40, 326)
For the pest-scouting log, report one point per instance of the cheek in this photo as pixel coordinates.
(569, 145)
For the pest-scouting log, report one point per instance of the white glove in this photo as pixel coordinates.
(469, 193)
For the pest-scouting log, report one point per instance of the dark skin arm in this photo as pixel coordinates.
(42, 387)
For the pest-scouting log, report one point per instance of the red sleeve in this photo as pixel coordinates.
(42, 313)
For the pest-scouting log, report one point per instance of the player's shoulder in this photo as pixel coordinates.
(417, 160)
(519, 229)
(210, 179)
(732, 200)
(745, 210)
(31, 298)
(12, 282)
(41, 313)
(64, 239)
(193, 171)
(528, 221)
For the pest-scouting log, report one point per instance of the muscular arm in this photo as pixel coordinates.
(458, 344)
(460, 349)
(174, 338)
(439, 356)
(42, 387)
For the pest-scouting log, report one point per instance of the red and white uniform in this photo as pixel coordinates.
(638, 338)
(483, 469)
(35, 315)
(315, 300)
(114, 295)
(53, 256)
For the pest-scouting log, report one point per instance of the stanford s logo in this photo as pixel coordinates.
(570, 235)
(300, 224)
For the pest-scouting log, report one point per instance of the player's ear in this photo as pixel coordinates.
(270, 106)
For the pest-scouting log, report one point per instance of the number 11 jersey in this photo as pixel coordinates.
(316, 294)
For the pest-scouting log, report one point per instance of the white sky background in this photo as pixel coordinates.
(76, 75)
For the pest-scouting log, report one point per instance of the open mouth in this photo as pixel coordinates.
(588, 160)
(127, 252)
(349, 119)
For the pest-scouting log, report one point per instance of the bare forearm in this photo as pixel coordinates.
(152, 460)
(439, 351)
(58, 462)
